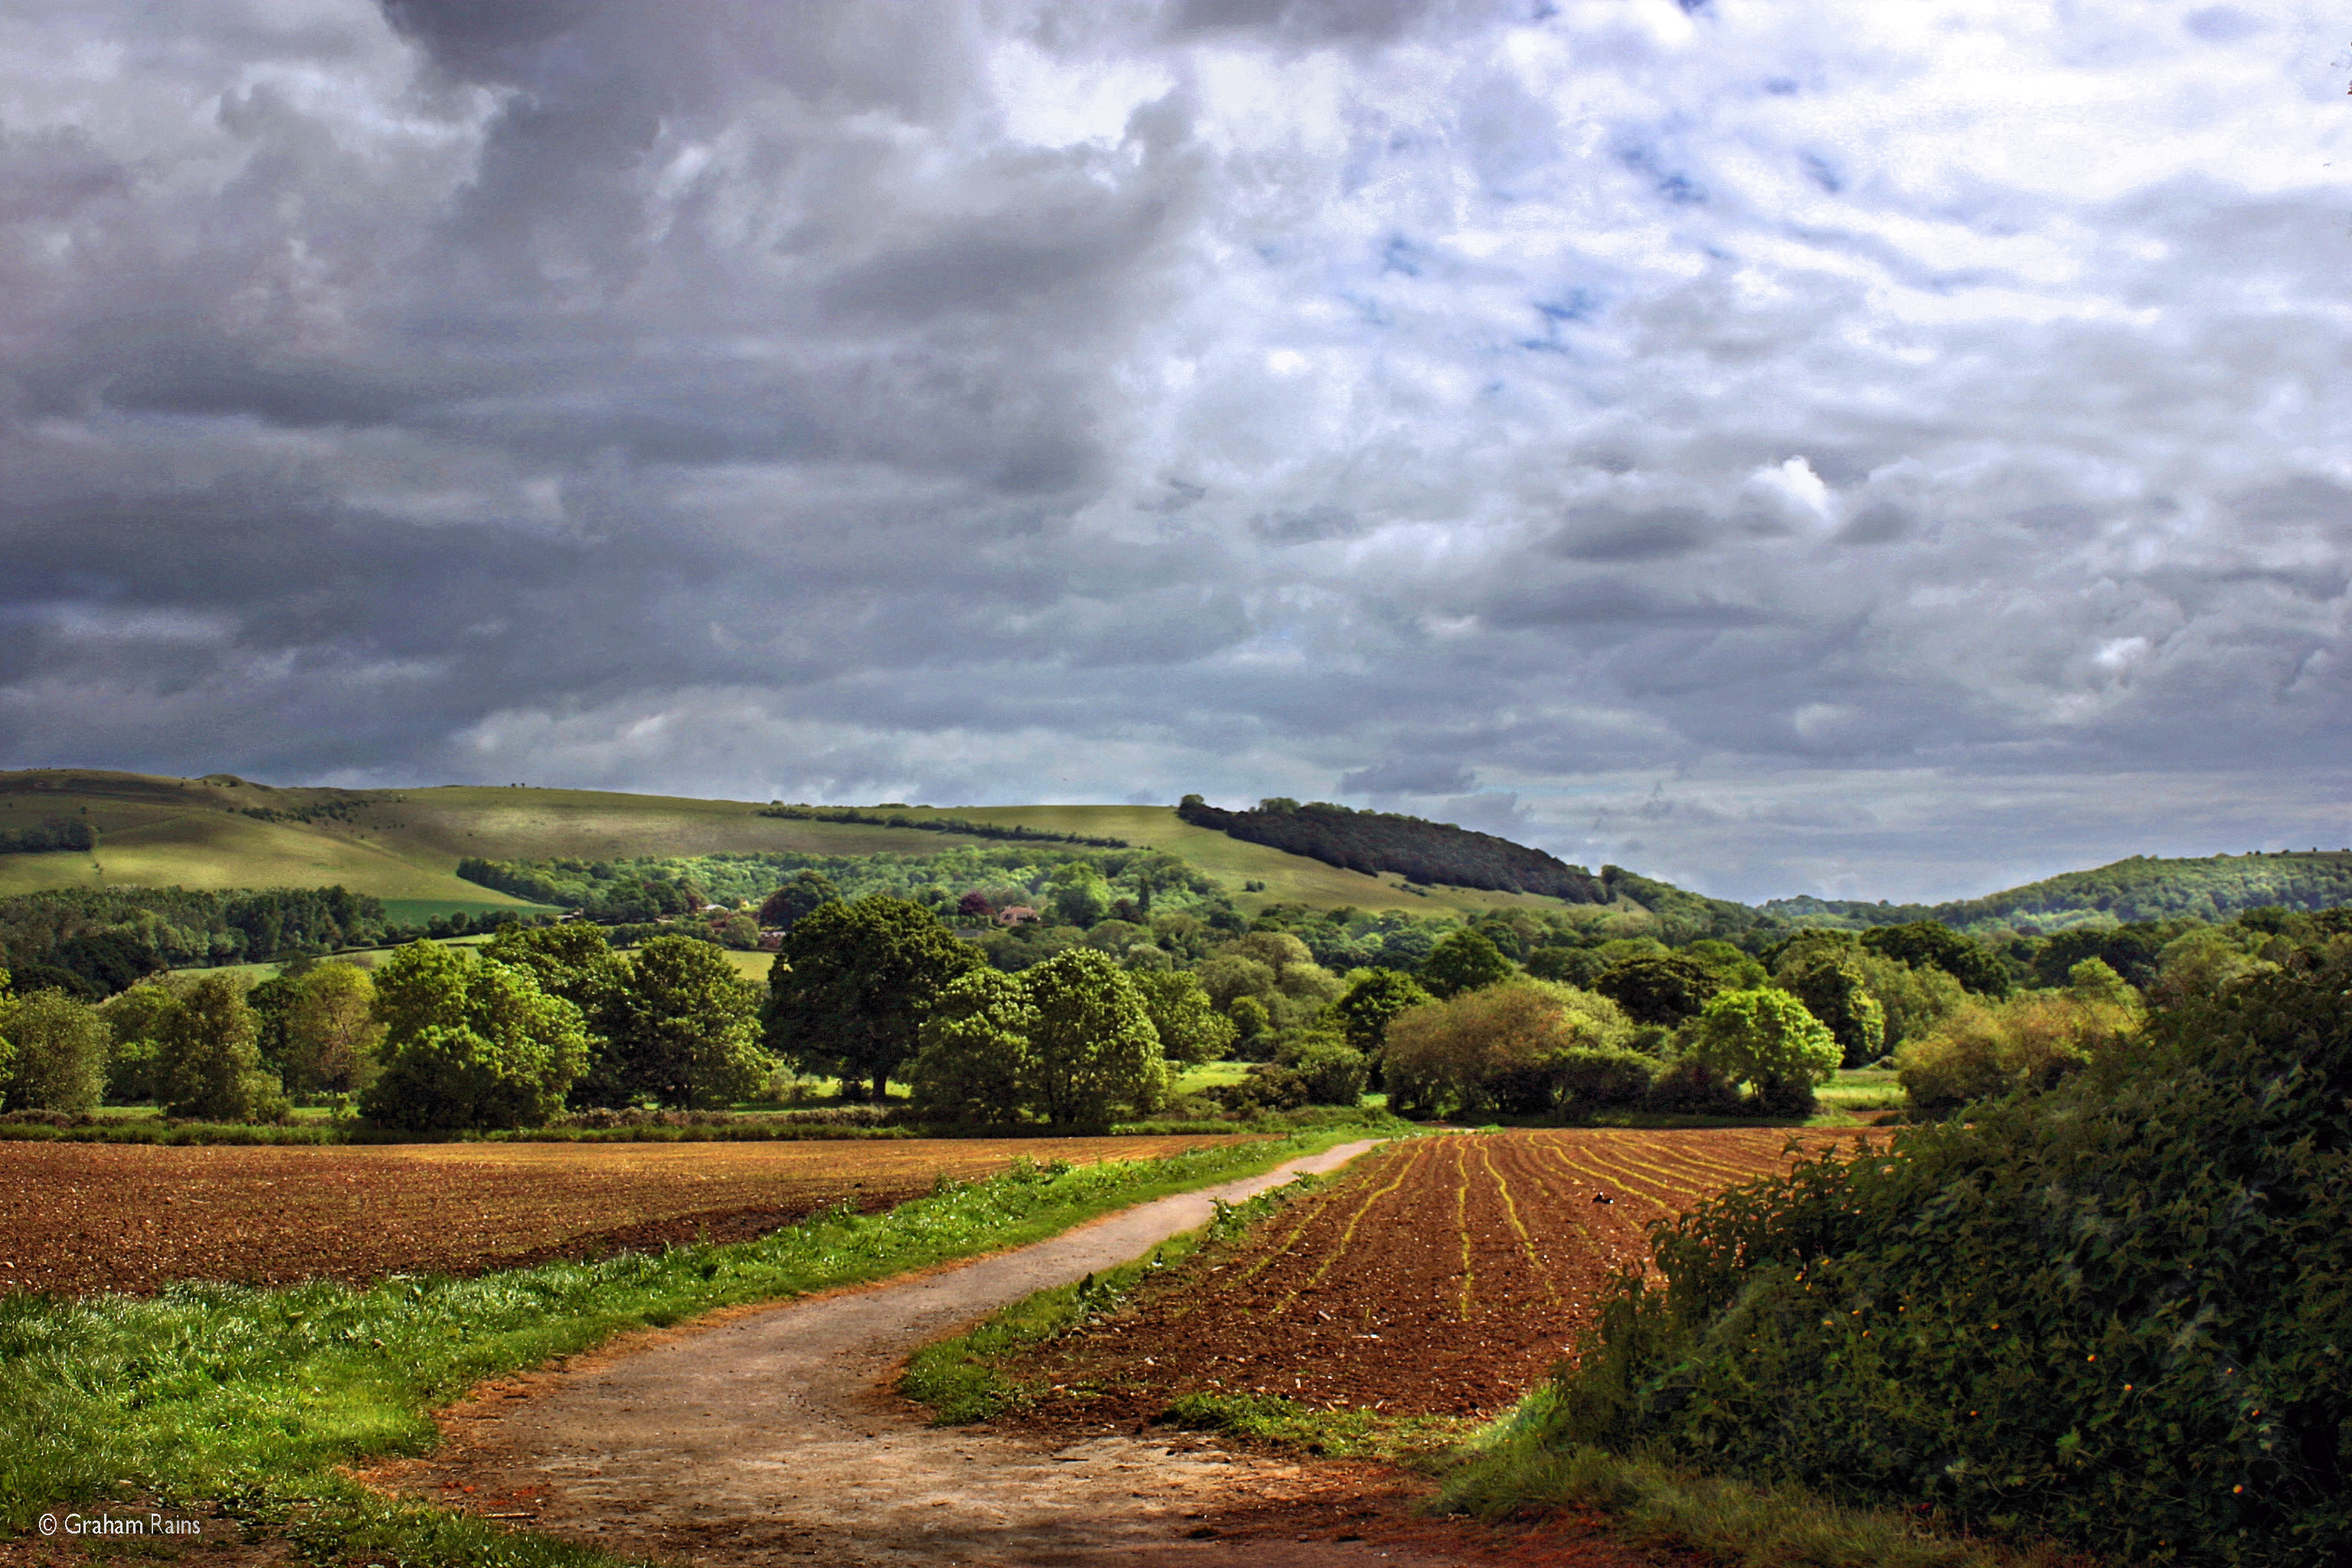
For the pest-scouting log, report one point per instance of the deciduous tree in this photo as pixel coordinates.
(682, 1029)
(1765, 1039)
(797, 900)
(1376, 996)
(331, 1029)
(976, 1063)
(1093, 1049)
(1190, 1030)
(471, 1043)
(208, 1060)
(1462, 963)
(55, 1054)
(850, 986)
(1831, 984)
(1659, 988)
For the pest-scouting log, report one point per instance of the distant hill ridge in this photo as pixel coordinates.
(2142, 887)
(403, 846)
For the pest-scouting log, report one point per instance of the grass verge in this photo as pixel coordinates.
(244, 1401)
(1421, 1442)
(1507, 1472)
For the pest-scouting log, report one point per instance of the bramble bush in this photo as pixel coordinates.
(2118, 1311)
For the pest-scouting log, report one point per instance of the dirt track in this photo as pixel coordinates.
(771, 1438)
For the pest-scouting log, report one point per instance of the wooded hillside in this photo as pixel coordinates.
(1437, 853)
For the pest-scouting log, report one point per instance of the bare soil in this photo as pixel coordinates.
(77, 1217)
(1443, 1276)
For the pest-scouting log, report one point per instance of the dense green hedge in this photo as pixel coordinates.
(2120, 1312)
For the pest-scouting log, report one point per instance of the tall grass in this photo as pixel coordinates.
(1511, 1470)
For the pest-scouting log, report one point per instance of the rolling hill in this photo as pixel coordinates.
(404, 844)
(2142, 887)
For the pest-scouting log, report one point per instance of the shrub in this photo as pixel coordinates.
(1603, 1079)
(1497, 1046)
(2030, 1041)
(1333, 1072)
(1691, 1087)
(1265, 1087)
(58, 1056)
(2116, 1311)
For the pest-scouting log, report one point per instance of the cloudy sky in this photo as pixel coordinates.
(1827, 446)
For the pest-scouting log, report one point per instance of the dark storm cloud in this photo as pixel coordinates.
(1771, 450)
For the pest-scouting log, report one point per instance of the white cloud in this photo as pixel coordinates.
(1845, 411)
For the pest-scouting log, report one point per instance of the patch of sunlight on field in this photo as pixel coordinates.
(750, 965)
(1210, 1075)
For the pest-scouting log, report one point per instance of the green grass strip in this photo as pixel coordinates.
(1507, 1472)
(1344, 1433)
(247, 1398)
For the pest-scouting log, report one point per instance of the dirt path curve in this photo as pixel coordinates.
(772, 1438)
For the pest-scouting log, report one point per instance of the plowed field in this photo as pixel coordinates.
(1443, 1276)
(134, 1217)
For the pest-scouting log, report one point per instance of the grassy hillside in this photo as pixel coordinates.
(2143, 888)
(1288, 878)
(403, 846)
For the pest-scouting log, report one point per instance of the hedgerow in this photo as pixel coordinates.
(2119, 1312)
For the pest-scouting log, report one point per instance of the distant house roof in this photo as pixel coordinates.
(1016, 914)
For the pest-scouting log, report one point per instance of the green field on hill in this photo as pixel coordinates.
(402, 846)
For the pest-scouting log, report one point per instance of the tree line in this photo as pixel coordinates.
(58, 833)
(963, 827)
(1432, 853)
(2143, 888)
(94, 942)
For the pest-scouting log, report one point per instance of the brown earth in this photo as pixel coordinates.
(78, 1217)
(770, 1436)
(1441, 1276)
